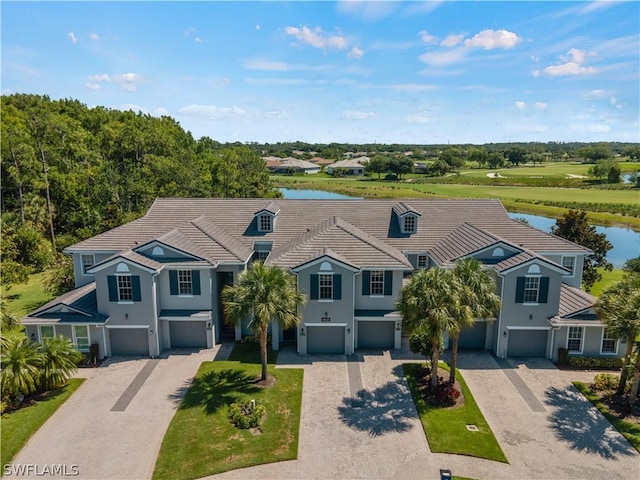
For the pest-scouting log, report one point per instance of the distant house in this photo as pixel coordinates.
(352, 166)
(295, 165)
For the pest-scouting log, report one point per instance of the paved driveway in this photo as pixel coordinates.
(112, 426)
(545, 427)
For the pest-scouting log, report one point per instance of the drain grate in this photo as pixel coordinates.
(473, 428)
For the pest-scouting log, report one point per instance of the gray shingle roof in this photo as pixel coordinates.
(83, 308)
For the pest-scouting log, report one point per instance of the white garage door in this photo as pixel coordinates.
(527, 343)
(376, 334)
(129, 341)
(325, 339)
(188, 334)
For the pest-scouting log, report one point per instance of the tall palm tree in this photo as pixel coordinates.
(428, 304)
(20, 365)
(619, 309)
(477, 299)
(59, 362)
(263, 294)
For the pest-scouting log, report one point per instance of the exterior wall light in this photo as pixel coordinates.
(504, 334)
(302, 334)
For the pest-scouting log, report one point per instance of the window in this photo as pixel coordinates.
(262, 256)
(326, 287)
(185, 284)
(531, 289)
(377, 282)
(265, 223)
(574, 339)
(47, 331)
(81, 336)
(422, 261)
(569, 263)
(409, 224)
(609, 342)
(125, 288)
(87, 262)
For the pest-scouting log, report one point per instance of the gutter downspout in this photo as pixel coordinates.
(500, 317)
(155, 310)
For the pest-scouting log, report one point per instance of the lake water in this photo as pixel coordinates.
(626, 242)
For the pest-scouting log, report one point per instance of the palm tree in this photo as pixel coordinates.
(477, 297)
(428, 304)
(20, 365)
(263, 294)
(619, 309)
(59, 362)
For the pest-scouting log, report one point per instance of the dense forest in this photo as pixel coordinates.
(70, 172)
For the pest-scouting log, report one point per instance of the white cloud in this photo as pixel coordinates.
(419, 118)
(197, 39)
(490, 39)
(357, 115)
(127, 81)
(316, 38)
(597, 93)
(446, 57)
(574, 60)
(613, 101)
(133, 107)
(72, 37)
(410, 87)
(535, 73)
(258, 64)
(527, 128)
(276, 114)
(258, 27)
(356, 53)
(520, 105)
(99, 78)
(452, 40)
(540, 105)
(368, 11)
(590, 128)
(160, 112)
(92, 86)
(211, 112)
(94, 36)
(427, 38)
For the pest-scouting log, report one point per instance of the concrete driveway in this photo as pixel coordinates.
(546, 429)
(112, 426)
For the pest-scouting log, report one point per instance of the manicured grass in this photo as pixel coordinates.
(201, 440)
(628, 430)
(608, 278)
(20, 425)
(23, 298)
(446, 427)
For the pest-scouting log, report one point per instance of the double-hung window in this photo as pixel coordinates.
(263, 254)
(326, 286)
(609, 342)
(531, 289)
(574, 339)
(570, 264)
(125, 288)
(377, 282)
(81, 337)
(87, 262)
(185, 282)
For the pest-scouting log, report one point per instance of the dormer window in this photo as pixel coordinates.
(409, 224)
(265, 223)
(87, 262)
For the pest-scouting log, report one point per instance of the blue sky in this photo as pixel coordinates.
(385, 72)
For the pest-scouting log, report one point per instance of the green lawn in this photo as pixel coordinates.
(23, 298)
(608, 278)
(18, 427)
(201, 440)
(446, 427)
(630, 431)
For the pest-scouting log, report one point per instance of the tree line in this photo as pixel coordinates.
(70, 172)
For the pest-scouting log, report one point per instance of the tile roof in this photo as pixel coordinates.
(230, 222)
(402, 207)
(464, 240)
(514, 261)
(82, 304)
(573, 301)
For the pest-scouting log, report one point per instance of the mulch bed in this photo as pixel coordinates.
(617, 406)
(269, 382)
(424, 387)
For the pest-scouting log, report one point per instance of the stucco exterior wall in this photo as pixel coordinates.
(186, 302)
(80, 277)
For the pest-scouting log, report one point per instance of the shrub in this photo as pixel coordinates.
(446, 394)
(595, 362)
(247, 414)
(604, 381)
(563, 356)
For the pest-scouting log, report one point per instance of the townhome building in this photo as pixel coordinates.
(155, 283)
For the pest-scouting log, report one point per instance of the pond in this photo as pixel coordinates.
(626, 242)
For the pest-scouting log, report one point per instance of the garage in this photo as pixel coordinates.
(473, 337)
(325, 339)
(129, 341)
(527, 343)
(372, 334)
(188, 334)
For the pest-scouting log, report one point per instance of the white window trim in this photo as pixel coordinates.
(124, 302)
(190, 282)
(328, 274)
(376, 295)
(75, 338)
(537, 302)
(615, 352)
(581, 341)
(40, 337)
(84, 270)
(573, 270)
